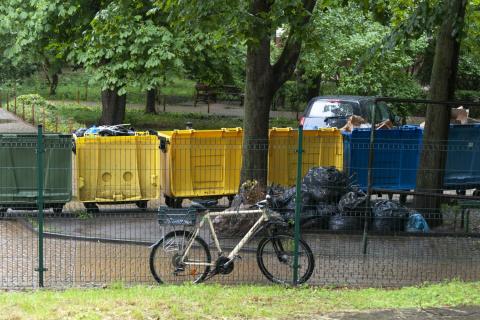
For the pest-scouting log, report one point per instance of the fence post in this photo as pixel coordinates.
(298, 204)
(8, 102)
(40, 152)
(1, 101)
(43, 117)
(33, 114)
(371, 155)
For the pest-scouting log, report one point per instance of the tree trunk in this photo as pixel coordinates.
(113, 107)
(150, 106)
(262, 82)
(53, 84)
(442, 87)
(258, 97)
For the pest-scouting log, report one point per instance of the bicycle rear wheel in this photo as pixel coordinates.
(275, 259)
(165, 259)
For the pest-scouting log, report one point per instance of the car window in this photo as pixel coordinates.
(381, 113)
(330, 108)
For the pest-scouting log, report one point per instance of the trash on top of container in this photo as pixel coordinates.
(113, 130)
(355, 121)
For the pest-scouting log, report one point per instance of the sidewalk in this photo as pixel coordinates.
(11, 123)
(456, 313)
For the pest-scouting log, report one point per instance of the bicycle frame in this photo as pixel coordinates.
(207, 218)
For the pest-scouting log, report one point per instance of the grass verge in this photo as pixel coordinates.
(77, 84)
(220, 302)
(162, 121)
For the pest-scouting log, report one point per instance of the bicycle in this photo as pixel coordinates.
(182, 256)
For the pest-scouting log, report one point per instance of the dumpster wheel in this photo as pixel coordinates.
(173, 202)
(91, 207)
(57, 208)
(142, 204)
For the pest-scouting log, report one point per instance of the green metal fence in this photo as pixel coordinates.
(354, 240)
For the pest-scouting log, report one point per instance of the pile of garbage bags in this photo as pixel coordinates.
(113, 130)
(331, 201)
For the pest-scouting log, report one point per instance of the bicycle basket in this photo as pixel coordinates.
(181, 216)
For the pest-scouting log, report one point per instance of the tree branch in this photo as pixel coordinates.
(285, 65)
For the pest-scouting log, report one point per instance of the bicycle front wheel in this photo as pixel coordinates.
(167, 265)
(275, 259)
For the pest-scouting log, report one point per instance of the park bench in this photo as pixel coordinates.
(207, 93)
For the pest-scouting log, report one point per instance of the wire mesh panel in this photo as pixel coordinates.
(140, 199)
(204, 163)
(18, 163)
(321, 147)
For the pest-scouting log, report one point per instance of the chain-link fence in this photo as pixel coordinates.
(123, 208)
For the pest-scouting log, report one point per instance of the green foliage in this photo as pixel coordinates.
(42, 32)
(127, 45)
(215, 62)
(337, 42)
(34, 108)
(216, 301)
(468, 71)
(162, 121)
(79, 83)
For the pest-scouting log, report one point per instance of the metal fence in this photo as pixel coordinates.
(91, 216)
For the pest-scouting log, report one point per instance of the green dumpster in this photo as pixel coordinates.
(18, 173)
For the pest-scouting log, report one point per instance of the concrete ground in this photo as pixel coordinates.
(88, 259)
(457, 313)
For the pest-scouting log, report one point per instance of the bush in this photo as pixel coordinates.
(43, 112)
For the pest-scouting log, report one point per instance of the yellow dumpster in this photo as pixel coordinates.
(117, 169)
(200, 163)
(323, 147)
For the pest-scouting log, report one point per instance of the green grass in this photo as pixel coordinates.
(162, 121)
(72, 84)
(219, 302)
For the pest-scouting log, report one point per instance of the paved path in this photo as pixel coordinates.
(390, 261)
(11, 123)
(456, 313)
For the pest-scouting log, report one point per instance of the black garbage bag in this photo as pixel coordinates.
(388, 216)
(352, 212)
(283, 198)
(80, 132)
(319, 217)
(353, 203)
(340, 222)
(325, 184)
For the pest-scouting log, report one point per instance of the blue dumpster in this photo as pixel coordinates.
(463, 157)
(396, 157)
